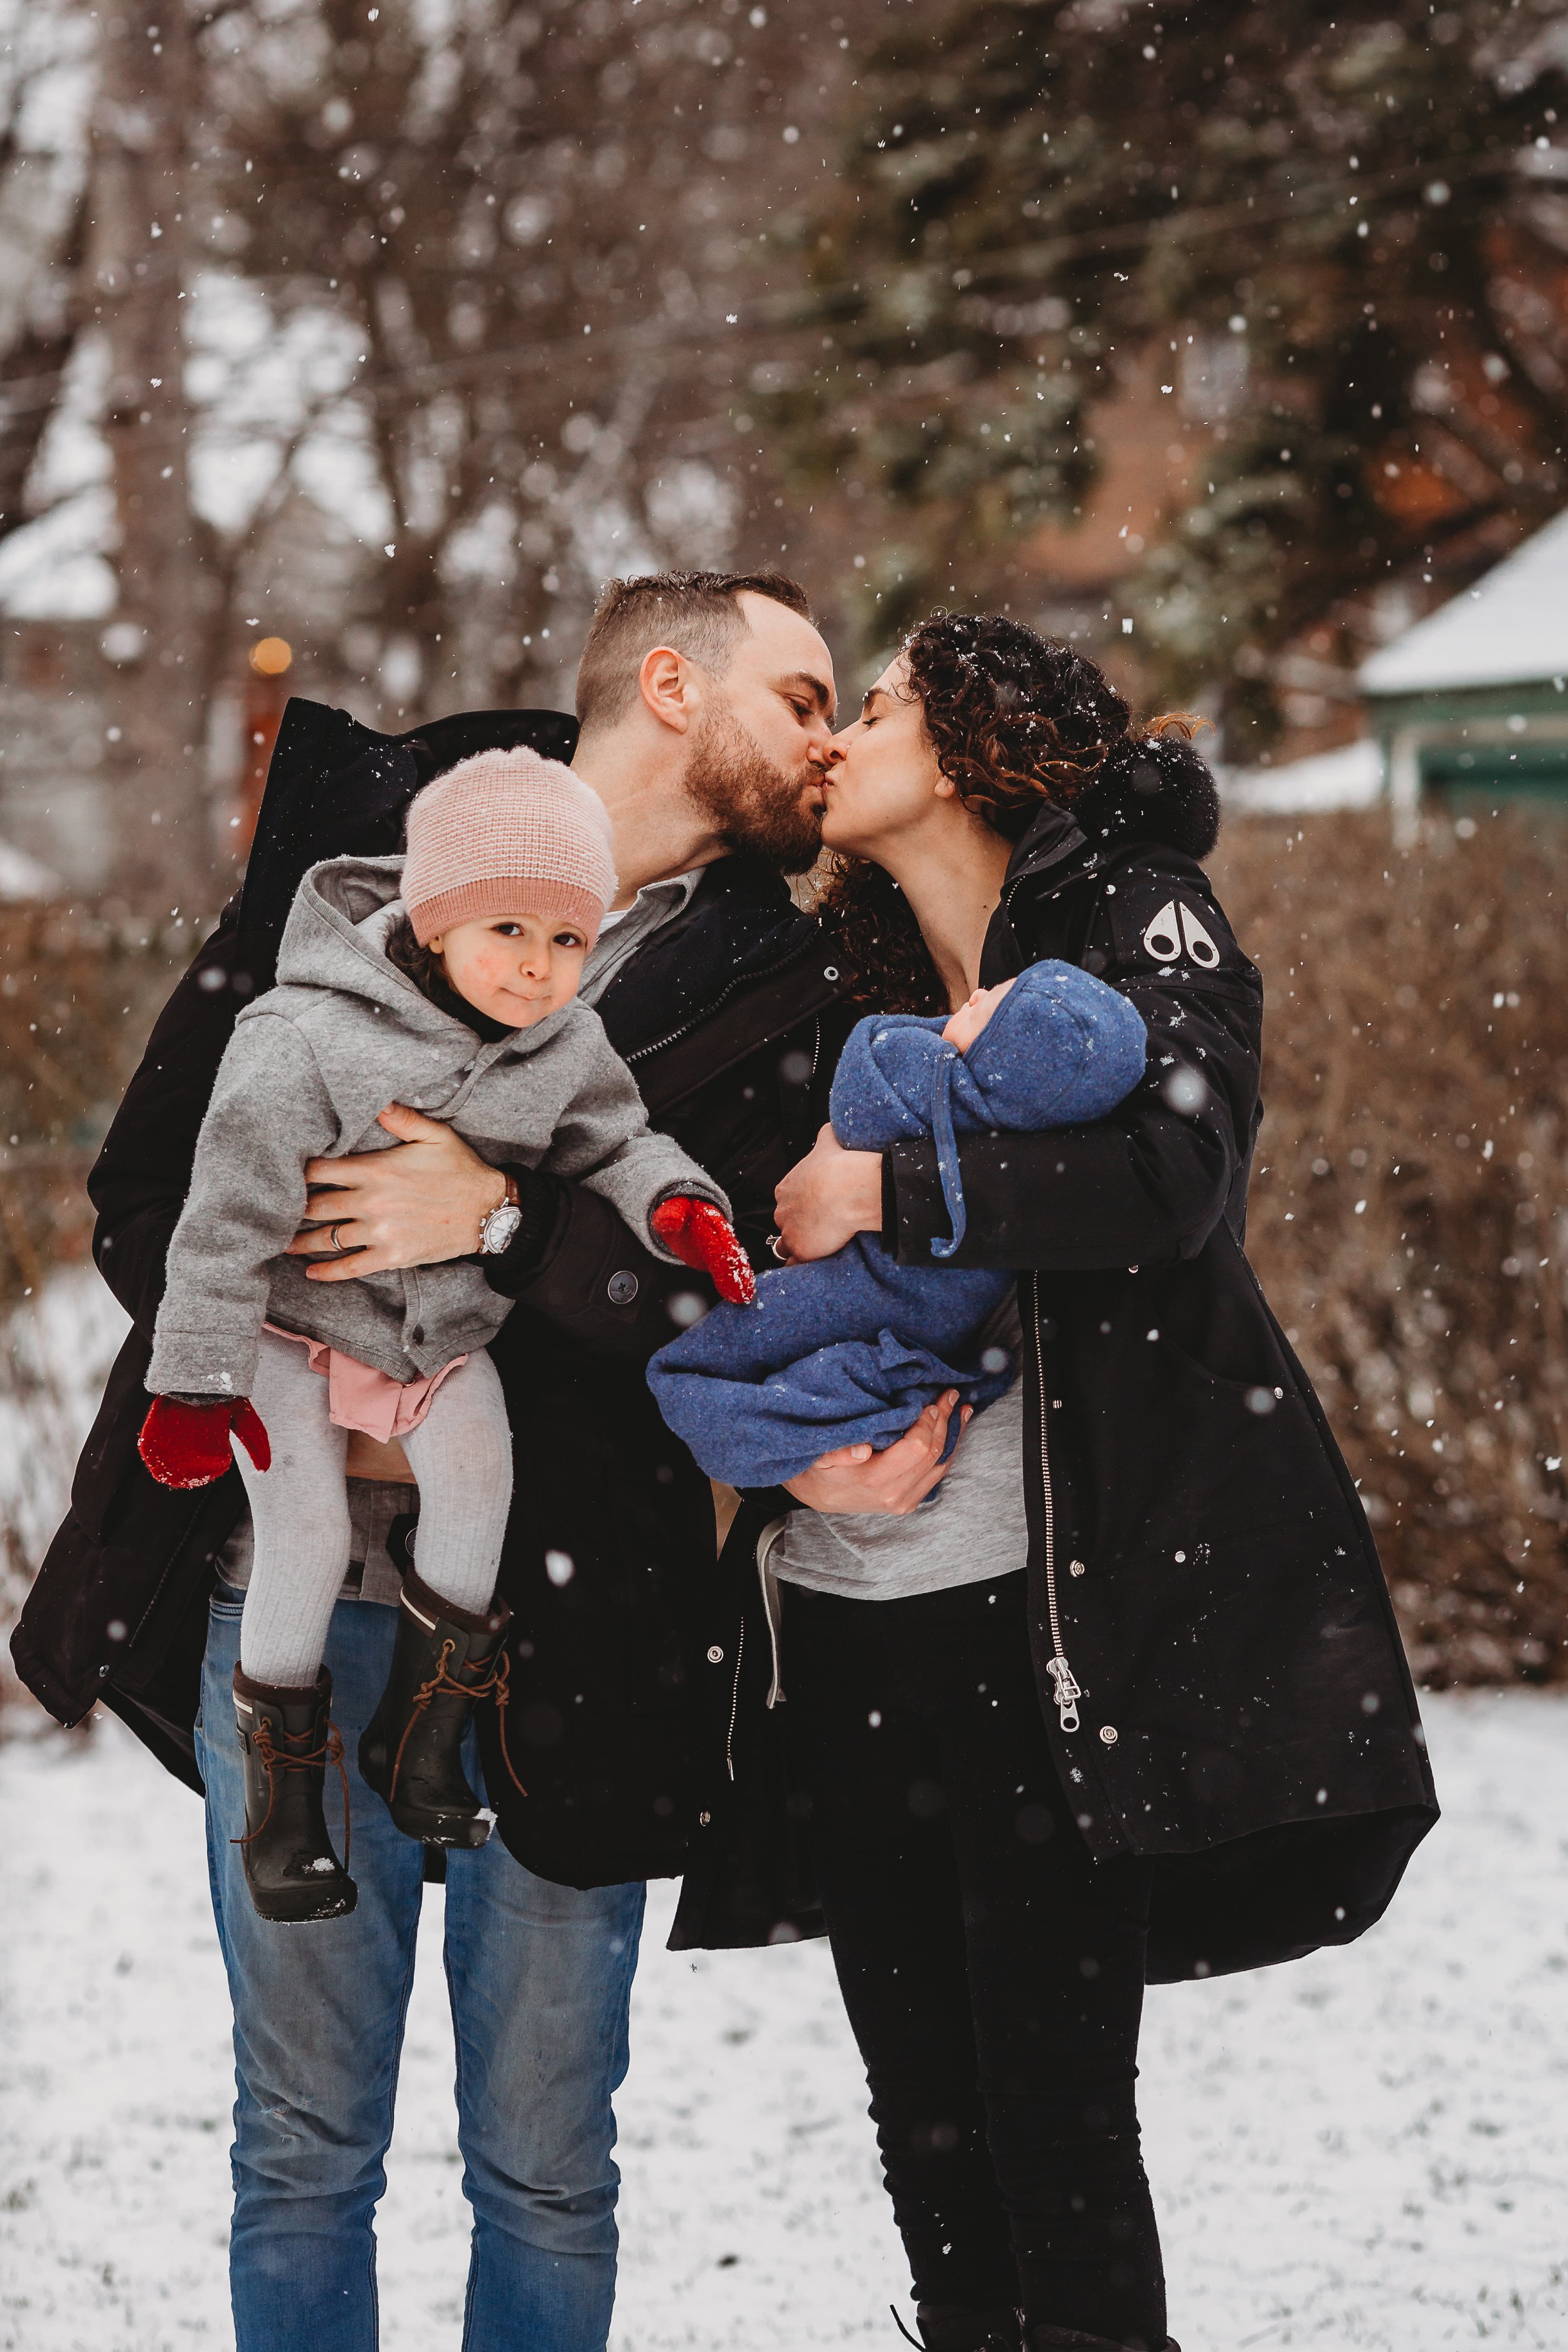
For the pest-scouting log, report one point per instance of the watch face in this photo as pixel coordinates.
(498, 1229)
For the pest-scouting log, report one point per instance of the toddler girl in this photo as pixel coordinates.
(445, 981)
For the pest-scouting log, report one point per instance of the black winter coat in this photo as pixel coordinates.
(727, 1018)
(1219, 1665)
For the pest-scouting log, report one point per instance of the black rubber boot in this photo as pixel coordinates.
(411, 1754)
(288, 1740)
(958, 2327)
(1072, 2339)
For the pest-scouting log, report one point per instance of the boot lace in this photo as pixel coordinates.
(288, 1759)
(495, 1684)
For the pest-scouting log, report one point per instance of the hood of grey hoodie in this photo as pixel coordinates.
(554, 1096)
(376, 1036)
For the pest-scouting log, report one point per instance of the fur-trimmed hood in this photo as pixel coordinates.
(1153, 788)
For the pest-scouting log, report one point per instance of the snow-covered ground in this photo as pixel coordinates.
(1367, 2150)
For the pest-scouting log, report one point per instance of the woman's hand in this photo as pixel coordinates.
(827, 1198)
(416, 1206)
(891, 1483)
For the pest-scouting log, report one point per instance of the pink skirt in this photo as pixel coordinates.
(360, 1398)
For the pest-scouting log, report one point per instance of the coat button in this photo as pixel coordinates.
(1075, 1568)
(417, 1334)
(715, 1654)
(703, 1819)
(623, 1288)
(1108, 1732)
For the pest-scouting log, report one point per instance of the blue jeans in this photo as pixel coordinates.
(539, 1979)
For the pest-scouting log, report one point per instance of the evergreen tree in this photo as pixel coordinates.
(1339, 231)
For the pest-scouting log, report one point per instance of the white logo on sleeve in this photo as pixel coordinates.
(1200, 947)
(1162, 940)
(1175, 926)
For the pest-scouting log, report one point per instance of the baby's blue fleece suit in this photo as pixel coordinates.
(850, 1349)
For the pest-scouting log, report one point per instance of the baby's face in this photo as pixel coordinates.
(517, 969)
(970, 1019)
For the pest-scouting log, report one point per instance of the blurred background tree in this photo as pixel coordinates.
(536, 225)
(1334, 240)
(388, 335)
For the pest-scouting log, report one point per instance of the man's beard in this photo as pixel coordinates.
(756, 808)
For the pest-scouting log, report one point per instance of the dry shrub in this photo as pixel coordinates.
(78, 995)
(1409, 1215)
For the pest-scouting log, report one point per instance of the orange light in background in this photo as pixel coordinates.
(269, 660)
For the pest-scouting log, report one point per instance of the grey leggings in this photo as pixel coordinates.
(461, 1455)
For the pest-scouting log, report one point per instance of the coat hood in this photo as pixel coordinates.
(336, 935)
(1153, 788)
(334, 948)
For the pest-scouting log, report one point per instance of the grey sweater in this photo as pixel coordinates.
(309, 1069)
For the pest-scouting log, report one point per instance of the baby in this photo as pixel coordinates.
(445, 979)
(850, 1349)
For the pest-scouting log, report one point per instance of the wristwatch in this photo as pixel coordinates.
(499, 1230)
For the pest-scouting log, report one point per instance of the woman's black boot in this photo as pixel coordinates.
(959, 2327)
(1072, 2339)
(411, 1753)
(288, 1740)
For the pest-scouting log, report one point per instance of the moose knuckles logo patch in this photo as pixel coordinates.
(1176, 930)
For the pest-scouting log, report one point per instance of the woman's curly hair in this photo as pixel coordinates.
(1015, 720)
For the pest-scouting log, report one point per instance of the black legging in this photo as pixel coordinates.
(993, 1973)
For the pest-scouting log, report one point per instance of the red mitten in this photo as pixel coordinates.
(699, 1234)
(190, 1444)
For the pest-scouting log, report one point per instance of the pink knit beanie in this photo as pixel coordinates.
(507, 832)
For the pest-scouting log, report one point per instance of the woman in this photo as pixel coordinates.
(1123, 1698)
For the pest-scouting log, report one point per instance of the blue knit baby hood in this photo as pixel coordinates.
(1061, 1048)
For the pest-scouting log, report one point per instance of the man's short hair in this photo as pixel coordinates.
(697, 613)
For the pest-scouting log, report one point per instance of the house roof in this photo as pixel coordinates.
(1509, 629)
(1350, 777)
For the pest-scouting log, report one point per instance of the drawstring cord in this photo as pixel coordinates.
(288, 1759)
(946, 1144)
(496, 1684)
(498, 1687)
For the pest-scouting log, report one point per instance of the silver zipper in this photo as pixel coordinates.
(743, 980)
(734, 1703)
(1061, 1674)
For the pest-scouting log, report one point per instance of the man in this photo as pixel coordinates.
(705, 703)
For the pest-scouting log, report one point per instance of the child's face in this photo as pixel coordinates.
(970, 1018)
(516, 969)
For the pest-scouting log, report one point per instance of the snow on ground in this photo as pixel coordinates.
(1369, 2148)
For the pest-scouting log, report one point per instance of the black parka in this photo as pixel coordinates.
(728, 1017)
(1219, 1669)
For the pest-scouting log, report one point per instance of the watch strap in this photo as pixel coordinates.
(511, 1199)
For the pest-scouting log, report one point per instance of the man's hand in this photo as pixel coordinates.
(827, 1198)
(891, 1483)
(415, 1206)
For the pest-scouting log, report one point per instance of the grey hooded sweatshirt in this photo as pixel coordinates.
(309, 1067)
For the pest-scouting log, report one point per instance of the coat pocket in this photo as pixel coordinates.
(1199, 1436)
